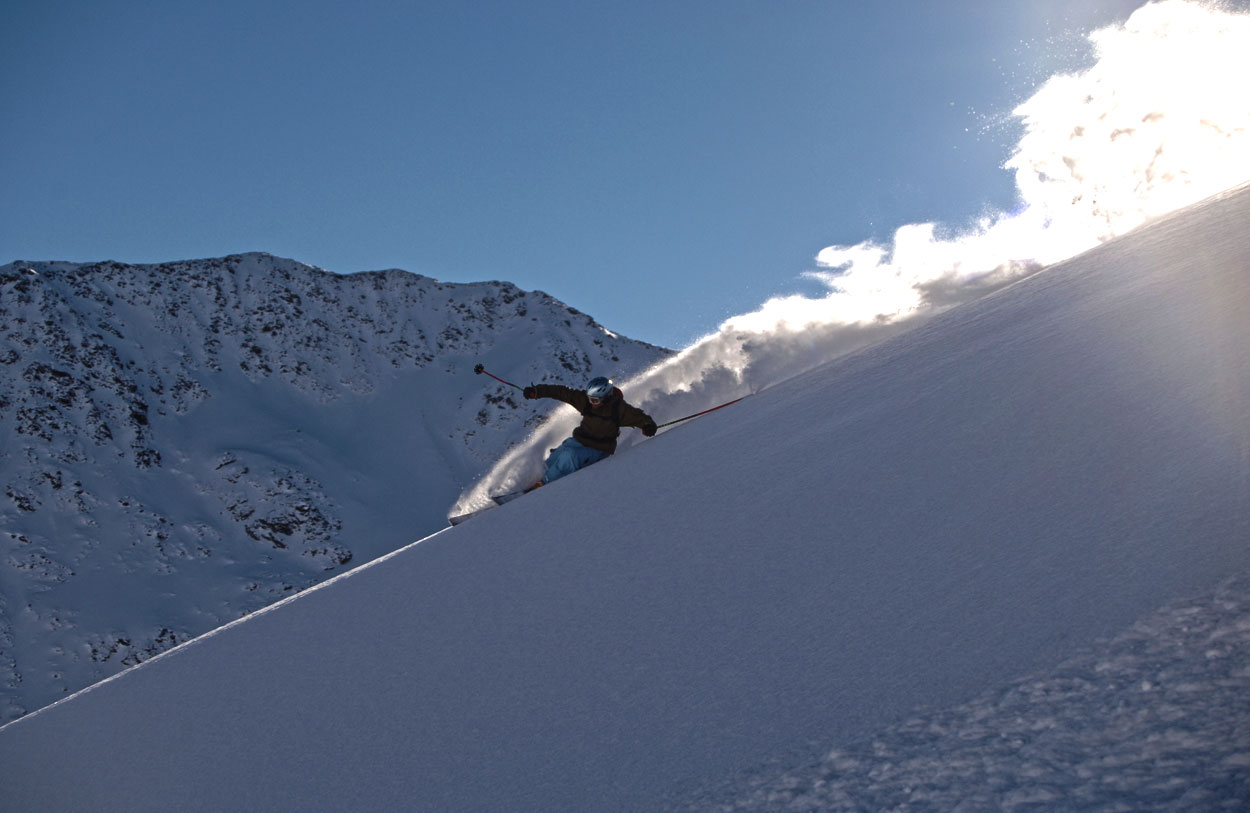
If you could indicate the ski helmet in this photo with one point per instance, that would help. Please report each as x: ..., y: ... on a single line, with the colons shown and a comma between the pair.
x: 599, y: 387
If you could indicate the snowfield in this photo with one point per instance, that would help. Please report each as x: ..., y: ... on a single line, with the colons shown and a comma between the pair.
x: 998, y: 562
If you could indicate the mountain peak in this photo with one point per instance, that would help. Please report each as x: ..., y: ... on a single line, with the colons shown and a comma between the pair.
x: 230, y: 430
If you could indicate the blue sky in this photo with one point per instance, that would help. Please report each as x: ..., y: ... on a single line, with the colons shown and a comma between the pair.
x: 662, y: 166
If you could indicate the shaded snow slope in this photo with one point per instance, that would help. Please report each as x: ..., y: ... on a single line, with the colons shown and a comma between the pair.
x: 896, y: 533
x: 1156, y: 719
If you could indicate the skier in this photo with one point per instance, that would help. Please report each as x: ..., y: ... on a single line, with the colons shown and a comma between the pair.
x: 604, y: 411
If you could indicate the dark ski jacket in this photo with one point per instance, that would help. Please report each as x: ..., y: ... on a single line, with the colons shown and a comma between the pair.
x: 601, y: 425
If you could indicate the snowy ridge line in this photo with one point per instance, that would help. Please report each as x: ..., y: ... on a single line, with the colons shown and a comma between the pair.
x: 737, y: 363
x: 183, y: 647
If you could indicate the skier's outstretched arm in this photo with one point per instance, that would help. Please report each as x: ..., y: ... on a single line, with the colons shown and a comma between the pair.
x: 575, y: 398
x: 633, y: 416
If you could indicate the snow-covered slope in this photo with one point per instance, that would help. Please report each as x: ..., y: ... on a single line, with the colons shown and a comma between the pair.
x: 921, y: 531
x: 1157, y: 718
x: 184, y: 443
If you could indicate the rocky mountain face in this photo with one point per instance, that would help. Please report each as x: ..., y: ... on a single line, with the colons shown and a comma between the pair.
x: 182, y: 444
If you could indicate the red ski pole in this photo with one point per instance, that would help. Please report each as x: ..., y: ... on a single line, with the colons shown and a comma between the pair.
x: 479, y: 369
x: 704, y: 412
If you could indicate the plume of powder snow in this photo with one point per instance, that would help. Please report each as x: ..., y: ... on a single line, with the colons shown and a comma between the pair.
x: 1159, y: 121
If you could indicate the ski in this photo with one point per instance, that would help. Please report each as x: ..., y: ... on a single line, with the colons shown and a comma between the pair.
x: 459, y: 518
x: 501, y: 499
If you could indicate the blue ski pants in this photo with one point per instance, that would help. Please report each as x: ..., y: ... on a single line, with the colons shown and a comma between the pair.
x: 568, y: 457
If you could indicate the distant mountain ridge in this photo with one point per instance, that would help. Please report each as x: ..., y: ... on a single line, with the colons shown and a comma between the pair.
x: 184, y: 443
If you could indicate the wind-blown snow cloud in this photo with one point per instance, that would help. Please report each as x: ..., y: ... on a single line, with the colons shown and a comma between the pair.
x: 1160, y: 120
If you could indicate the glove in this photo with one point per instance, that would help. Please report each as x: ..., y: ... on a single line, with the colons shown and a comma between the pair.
x: 649, y: 430
x: 530, y: 393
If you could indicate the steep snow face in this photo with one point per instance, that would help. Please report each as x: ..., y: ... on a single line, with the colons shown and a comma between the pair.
x: 914, y: 528
x: 181, y: 444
